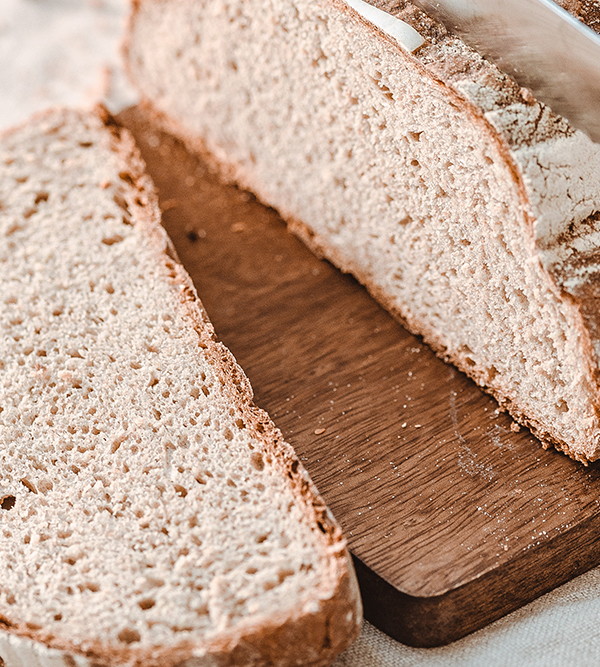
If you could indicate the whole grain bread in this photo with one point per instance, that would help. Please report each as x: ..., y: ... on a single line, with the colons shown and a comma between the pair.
x: 150, y: 514
x: 468, y: 208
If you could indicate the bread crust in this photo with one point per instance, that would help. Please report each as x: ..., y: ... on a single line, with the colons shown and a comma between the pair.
x: 447, y: 63
x: 315, y: 629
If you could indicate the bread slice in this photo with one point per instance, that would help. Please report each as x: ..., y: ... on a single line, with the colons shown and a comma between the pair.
x: 150, y: 514
x: 469, y: 209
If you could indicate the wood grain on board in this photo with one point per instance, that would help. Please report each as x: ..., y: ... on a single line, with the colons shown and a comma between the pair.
x: 453, y: 517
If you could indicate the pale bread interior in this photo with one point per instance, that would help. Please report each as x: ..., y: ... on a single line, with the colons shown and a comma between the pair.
x: 140, y: 503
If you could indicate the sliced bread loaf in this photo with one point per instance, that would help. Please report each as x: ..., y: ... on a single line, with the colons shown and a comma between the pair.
x: 150, y: 514
x: 466, y: 207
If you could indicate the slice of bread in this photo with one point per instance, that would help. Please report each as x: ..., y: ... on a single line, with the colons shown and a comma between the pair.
x: 470, y: 210
x: 150, y: 514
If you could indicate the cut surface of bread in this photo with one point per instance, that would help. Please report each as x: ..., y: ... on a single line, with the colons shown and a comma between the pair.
x: 466, y: 207
x: 150, y: 514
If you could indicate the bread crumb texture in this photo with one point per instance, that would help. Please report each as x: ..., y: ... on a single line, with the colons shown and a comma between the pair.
x: 140, y: 506
x: 444, y: 187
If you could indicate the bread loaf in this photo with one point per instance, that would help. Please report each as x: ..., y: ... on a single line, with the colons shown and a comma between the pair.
x: 150, y: 514
x: 469, y: 209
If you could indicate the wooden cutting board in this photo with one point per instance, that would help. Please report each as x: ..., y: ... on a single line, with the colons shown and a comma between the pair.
x: 454, y: 517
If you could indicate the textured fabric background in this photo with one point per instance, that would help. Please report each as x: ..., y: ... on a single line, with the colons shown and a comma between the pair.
x: 561, y: 629
x: 67, y: 52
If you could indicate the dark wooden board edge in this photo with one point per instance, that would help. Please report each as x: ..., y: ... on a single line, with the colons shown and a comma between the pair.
x: 427, y: 622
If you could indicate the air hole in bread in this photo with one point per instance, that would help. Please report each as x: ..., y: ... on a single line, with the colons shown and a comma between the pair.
x: 181, y: 491
x: 8, y: 502
x: 45, y: 485
x: 146, y: 603
x: 111, y: 240
x: 205, y: 390
x: 13, y: 229
x: 466, y: 350
x: 129, y: 636
x: 110, y: 289
x: 29, y: 212
x: 41, y: 197
x: 121, y: 202
x: 89, y: 586
x: 284, y: 573
x: 28, y: 485
x: 492, y: 372
x: 127, y: 177
x: 117, y: 442
x: 86, y: 144
x: 154, y: 582
x: 257, y: 461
